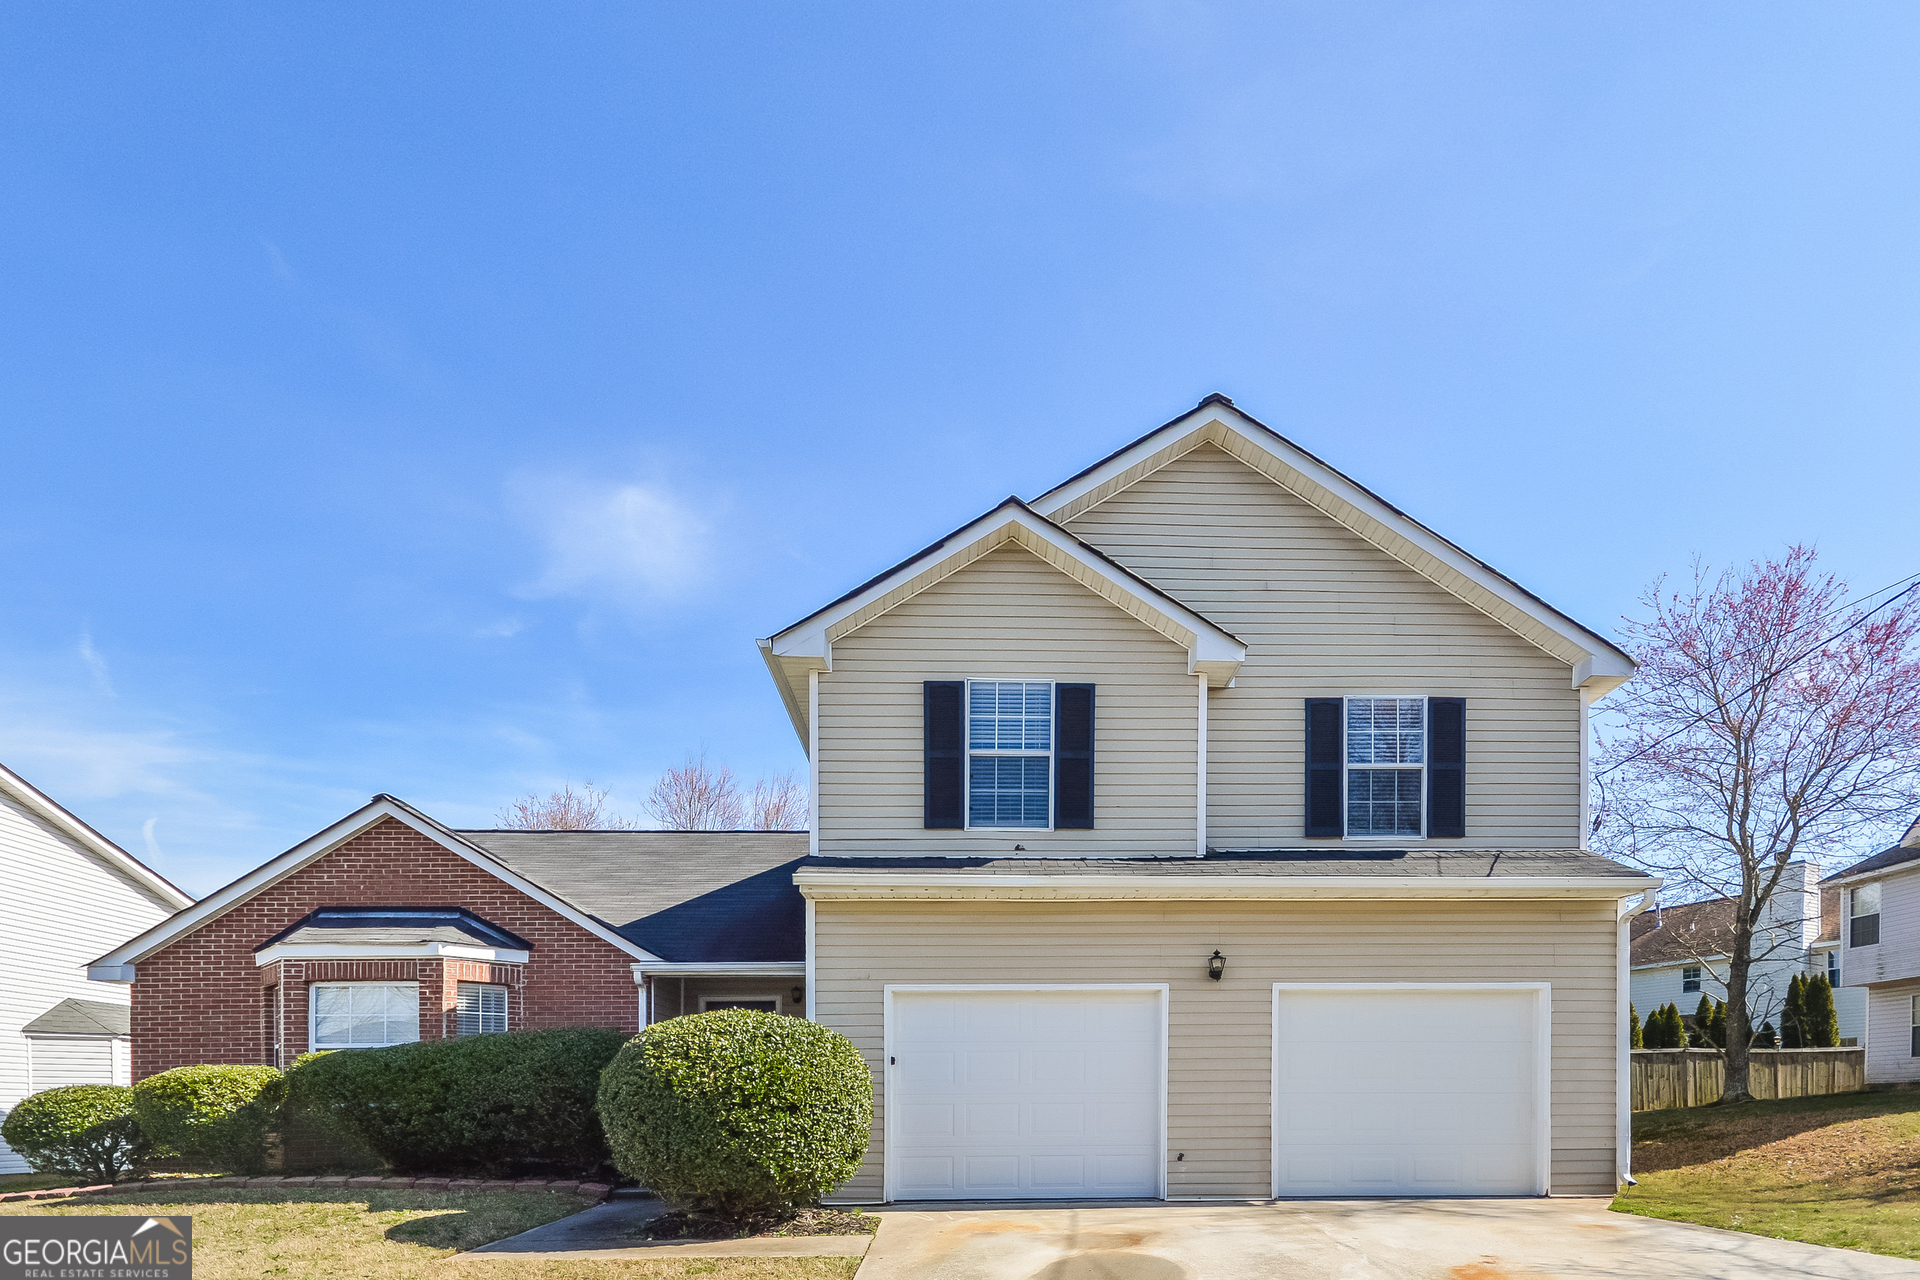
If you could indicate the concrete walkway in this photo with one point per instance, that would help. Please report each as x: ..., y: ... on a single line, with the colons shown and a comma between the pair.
x: 600, y: 1233
x: 1571, y: 1239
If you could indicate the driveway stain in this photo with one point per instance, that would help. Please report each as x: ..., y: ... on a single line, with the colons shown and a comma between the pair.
x: 1112, y: 1264
x: 1485, y: 1269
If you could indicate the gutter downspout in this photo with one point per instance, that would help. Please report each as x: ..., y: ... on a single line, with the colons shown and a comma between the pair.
x: 1623, y: 1055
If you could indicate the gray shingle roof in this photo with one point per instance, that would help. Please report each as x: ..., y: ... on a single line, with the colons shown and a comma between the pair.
x: 82, y: 1018
x: 686, y: 896
x: 1900, y: 853
x: 1479, y: 864
x: 396, y: 926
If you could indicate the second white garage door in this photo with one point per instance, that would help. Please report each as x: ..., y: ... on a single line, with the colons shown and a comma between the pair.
x: 1409, y: 1091
x: 1035, y: 1095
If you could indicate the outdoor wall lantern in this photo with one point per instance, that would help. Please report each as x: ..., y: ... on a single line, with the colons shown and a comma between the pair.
x: 799, y: 995
x: 1216, y: 965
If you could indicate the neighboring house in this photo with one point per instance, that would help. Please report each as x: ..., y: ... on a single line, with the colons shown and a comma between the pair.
x: 1205, y: 827
x: 1680, y: 953
x: 1880, y: 953
x: 66, y: 891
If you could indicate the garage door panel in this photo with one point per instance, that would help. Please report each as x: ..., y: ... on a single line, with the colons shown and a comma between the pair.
x: 1058, y: 1094
x: 1432, y: 1092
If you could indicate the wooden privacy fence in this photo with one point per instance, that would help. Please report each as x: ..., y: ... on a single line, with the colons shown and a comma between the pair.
x: 1667, y: 1078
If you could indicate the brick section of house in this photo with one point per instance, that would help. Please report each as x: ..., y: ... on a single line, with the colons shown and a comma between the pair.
x: 203, y: 999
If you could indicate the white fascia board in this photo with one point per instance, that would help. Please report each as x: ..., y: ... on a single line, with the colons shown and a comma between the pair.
x: 719, y: 968
x: 1603, y: 670
x: 50, y: 812
x: 109, y: 973
x: 828, y: 886
x: 1677, y: 964
x: 269, y: 873
x: 1210, y: 649
x: 353, y: 951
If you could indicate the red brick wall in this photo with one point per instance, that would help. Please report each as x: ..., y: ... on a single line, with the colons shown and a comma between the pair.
x: 203, y: 999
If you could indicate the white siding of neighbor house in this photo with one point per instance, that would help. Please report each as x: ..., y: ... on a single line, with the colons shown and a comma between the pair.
x: 1324, y: 613
x: 1652, y: 987
x: 59, y: 908
x: 1890, y: 1057
x: 55, y: 1061
x: 1220, y: 1033
x: 1896, y: 957
x: 1008, y: 616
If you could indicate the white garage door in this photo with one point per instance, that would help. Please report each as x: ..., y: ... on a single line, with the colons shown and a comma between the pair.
x: 1408, y: 1092
x: 996, y: 1095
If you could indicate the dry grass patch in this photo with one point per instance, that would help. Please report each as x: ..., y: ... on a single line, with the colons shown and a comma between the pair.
x: 1841, y: 1171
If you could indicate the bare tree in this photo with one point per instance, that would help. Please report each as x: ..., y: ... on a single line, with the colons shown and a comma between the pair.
x: 1767, y: 718
x: 695, y: 796
x: 778, y: 803
x: 562, y: 810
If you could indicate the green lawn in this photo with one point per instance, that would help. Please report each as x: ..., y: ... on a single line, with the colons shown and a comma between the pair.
x: 318, y: 1233
x: 1842, y: 1171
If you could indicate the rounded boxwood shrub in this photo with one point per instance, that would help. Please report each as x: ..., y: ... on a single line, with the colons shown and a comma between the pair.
x: 212, y: 1115
x: 511, y: 1102
x: 737, y: 1112
x: 86, y: 1132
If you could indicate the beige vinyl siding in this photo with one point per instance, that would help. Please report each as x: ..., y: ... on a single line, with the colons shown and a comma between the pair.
x: 1896, y: 957
x: 1220, y: 1034
x: 1890, y: 1057
x: 1324, y: 613
x: 59, y: 908
x: 1008, y: 616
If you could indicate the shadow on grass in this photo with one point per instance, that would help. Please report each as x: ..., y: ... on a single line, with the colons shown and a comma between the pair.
x: 1696, y: 1135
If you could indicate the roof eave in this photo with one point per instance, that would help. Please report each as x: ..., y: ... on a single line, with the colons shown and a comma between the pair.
x: 825, y: 886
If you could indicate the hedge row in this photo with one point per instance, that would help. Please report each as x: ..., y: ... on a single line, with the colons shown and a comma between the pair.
x: 732, y: 1112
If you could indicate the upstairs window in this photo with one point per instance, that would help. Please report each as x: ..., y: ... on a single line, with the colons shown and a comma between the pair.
x: 480, y: 1009
x: 1690, y: 978
x: 1386, y: 766
x: 1863, y: 905
x: 1009, y: 753
x: 1915, y: 1053
x: 363, y: 1015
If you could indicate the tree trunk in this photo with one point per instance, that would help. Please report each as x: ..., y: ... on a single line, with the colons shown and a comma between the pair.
x: 1739, y: 1033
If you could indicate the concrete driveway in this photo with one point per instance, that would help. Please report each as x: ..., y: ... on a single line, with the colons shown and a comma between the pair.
x: 1347, y: 1239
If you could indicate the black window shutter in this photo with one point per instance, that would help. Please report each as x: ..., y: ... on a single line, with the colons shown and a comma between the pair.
x: 1446, y: 768
x: 1073, y: 757
x: 944, y: 724
x: 1326, y: 749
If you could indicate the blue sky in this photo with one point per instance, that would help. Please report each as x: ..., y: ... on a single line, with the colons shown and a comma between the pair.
x: 441, y: 399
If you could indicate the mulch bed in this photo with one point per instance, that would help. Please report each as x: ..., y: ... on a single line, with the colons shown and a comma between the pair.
x: 801, y: 1222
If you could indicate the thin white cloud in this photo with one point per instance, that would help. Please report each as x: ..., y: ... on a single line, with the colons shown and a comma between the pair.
x: 622, y: 543
x: 96, y: 665
x: 146, y: 834
x: 504, y: 629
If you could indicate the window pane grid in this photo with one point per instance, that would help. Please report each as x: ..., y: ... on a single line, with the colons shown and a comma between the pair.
x: 481, y: 1009
x: 364, y: 1015
x: 1010, y: 753
x: 1389, y: 737
x: 1386, y: 730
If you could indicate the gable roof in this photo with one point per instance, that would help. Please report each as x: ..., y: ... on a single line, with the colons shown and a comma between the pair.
x: 398, y: 931
x: 1676, y: 935
x: 807, y: 645
x: 1908, y: 850
x: 1599, y: 665
x: 41, y: 806
x: 82, y: 1018
x: 685, y: 896
x: 118, y: 965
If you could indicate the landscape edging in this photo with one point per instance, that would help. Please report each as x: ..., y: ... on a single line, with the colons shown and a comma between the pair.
x: 592, y: 1192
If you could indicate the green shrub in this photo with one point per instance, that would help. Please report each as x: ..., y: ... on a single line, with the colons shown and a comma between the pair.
x: 1636, y: 1039
x: 738, y: 1111
x: 1720, y: 1023
x: 1701, y: 1036
x: 1822, y: 1020
x: 213, y: 1115
x: 86, y: 1132
x: 513, y: 1102
x: 1767, y: 1039
x: 1793, y: 1015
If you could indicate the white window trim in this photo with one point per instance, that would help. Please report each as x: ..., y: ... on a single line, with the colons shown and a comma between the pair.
x: 1426, y: 751
x: 506, y: 1000
x: 967, y: 752
x: 313, y: 1014
x: 779, y: 1005
x: 889, y: 1145
x: 1851, y: 894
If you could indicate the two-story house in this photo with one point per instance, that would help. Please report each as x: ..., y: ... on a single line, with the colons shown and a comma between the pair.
x: 65, y: 892
x: 1680, y: 953
x: 1880, y: 953
x: 1205, y: 827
